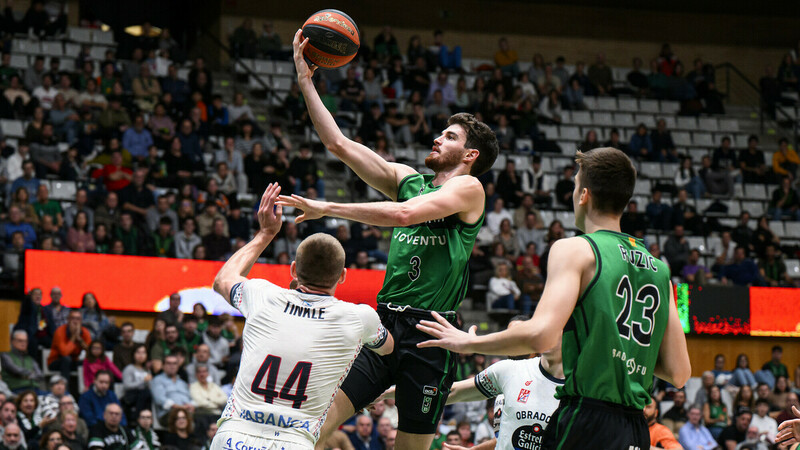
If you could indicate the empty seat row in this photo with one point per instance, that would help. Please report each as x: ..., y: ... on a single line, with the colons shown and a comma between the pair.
x: 649, y: 119
x: 90, y: 36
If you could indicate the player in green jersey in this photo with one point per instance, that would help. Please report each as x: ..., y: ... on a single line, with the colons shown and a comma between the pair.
x: 436, y: 219
x: 614, y: 303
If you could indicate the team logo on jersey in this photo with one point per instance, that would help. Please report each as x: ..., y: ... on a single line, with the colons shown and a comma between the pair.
x: 523, y: 396
x: 429, y: 390
x: 426, y: 404
x: 632, y: 241
x: 527, y: 437
x: 528, y: 383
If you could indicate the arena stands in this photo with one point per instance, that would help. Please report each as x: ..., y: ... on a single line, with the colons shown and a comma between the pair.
x: 136, y: 153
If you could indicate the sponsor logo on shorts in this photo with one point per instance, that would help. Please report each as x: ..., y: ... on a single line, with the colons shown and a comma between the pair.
x: 426, y: 404
x: 429, y: 390
x: 523, y: 396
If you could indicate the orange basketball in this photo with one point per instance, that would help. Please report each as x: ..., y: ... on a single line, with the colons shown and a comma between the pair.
x: 333, y: 39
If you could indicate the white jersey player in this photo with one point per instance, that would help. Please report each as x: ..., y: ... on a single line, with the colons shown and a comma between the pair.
x: 526, y: 390
x: 297, y: 344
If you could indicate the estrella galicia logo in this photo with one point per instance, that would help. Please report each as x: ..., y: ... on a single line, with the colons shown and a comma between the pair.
x: 426, y: 404
x: 429, y: 390
x: 527, y: 437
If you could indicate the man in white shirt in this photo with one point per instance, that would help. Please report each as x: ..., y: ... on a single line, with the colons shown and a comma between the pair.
x: 767, y: 426
x: 496, y: 216
x: 297, y: 344
x: 46, y: 93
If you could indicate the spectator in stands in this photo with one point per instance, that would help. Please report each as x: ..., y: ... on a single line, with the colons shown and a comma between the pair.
x: 68, y: 342
x: 613, y: 141
x: 137, y: 197
x: 175, y: 86
x: 766, y: 426
x: 637, y: 78
x: 46, y: 207
x: 736, y: 433
x: 17, y: 225
x: 506, y: 59
x: 122, y: 353
x: 565, y: 186
x: 590, y: 142
x: 773, y: 270
x: 774, y: 365
x: 588, y: 88
x: 694, y: 434
x: 694, y: 272
x: 163, y: 348
x: 785, y: 161
x: 685, y: 214
x: 743, y: 271
x: 28, y: 179
x: 137, y: 139
x: 45, y: 153
x: 80, y: 205
x: 17, y: 96
x: 660, y: 435
x: 161, y: 209
x: 115, y: 176
x: 244, y: 41
x: 96, y: 400
x: 217, y: 243
x: 659, y: 214
x: 715, y: 413
x: 600, y: 75
x: 205, y: 391
x: 79, y: 238
x: 46, y: 93
x: 219, y: 347
x: 550, y: 108
x: 20, y: 371
x: 92, y: 98
x: 763, y: 236
x: 686, y: 178
x: 641, y: 145
x: 94, y: 319
x: 96, y: 360
x: 752, y: 162
x: 146, y: 89
x: 55, y: 310
x: 677, y: 416
x: 109, y: 430
x: 634, y: 222
x: 743, y: 234
x: 27, y: 402
x: 780, y: 394
x: 169, y: 391
x: 503, y: 292
x: 508, y: 238
x: 114, y: 120
x: 770, y: 90
x: 180, y: 430
x: 742, y: 375
x: 677, y: 250
x: 202, y: 356
x: 108, y: 214
x: 785, y: 201
x: 13, y: 438
x: 187, y: 240
x: 135, y: 379
x: 365, y: 435
x: 144, y: 433
x: 495, y: 217
x: 663, y: 146
x: 191, y: 144
x: 573, y: 96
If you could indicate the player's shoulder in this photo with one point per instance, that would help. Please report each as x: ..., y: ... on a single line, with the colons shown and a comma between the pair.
x: 575, y: 249
x: 259, y: 285
x: 464, y: 182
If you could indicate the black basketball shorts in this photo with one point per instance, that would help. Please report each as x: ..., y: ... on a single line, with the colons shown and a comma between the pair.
x: 586, y: 423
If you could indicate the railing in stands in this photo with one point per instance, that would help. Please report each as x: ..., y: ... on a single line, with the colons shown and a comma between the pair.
x: 238, y: 62
x: 747, y: 88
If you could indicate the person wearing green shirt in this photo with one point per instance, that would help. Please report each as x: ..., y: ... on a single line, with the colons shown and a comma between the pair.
x: 436, y: 218
x: 46, y: 207
x: 774, y: 365
x: 613, y: 301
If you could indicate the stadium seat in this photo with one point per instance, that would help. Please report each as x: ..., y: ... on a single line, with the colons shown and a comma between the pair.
x: 51, y: 48
x: 650, y: 169
x: 729, y: 125
x: 103, y: 37
x: 581, y: 118
x: 549, y: 180
x: 777, y: 227
x: 602, y: 118
x: 19, y: 61
x: 642, y: 187
x: 734, y: 207
x: 499, y: 163
x: 708, y: 123
x: 755, y: 209
x: 647, y: 119
x: 648, y: 106
x: 284, y: 68
x: 624, y: 120
x: 670, y: 121
x: 282, y: 84
x: 697, y: 242
x: 697, y: 154
x: 793, y: 267
x: 687, y: 123
x: 569, y: 133
x: 792, y: 229
x: 607, y: 103
x: 738, y: 190
x: 63, y: 190
x: 702, y: 139
x: 523, y: 145
x: 549, y: 131
x: 98, y: 53
x: 670, y: 107
x: 25, y: 46
x: 668, y: 170
x: 261, y: 66
x: 627, y: 104
x: 13, y: 128
x: 547, y: 163
x: 682, y: 138
x: 242, y: 63
x: 547, y: 216
x: 81, y: 35
x: 407, y: 154
x: 756, y: 192
x: 590, y: 102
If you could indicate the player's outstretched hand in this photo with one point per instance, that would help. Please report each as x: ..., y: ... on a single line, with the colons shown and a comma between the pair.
x: 312, y: 209
x: 299, y: 44
x: 447, y: 336
x: 789, y: 430
x: 270, y: 213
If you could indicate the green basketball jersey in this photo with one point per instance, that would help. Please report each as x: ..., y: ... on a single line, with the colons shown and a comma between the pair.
x: 611, y: 341
x: 427, y: 265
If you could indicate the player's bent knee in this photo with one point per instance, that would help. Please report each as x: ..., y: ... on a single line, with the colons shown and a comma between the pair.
x: 412, y: 441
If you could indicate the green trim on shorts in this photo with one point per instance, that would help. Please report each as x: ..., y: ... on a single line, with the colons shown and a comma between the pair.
x: 441, y: 383
x: 571, y: 420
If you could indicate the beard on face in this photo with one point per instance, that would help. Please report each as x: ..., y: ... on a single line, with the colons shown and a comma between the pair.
x: 443, y: 162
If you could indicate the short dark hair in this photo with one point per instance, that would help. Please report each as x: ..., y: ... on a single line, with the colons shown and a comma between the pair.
x: 479, y: 137
x: 319, y: 261
x: 127, y: 324
x: 103, y: 372
x: 777, y: 348
x: 762, y: 400
x: 598, y: 168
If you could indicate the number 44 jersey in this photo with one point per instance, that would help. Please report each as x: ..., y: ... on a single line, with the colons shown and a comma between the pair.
x: 297, y: 349
x: 611, y: 341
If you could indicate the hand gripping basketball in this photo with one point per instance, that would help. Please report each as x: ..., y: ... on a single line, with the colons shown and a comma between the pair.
x: 299, y: 45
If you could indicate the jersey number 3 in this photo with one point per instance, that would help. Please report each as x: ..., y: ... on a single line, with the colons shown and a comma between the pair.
x: 414, y: 272
x: 269, y: 369
x: 642, y: 328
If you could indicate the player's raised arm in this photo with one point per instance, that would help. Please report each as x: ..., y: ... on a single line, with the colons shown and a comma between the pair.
x: 238, y: 266
x: 673, y: 364
x: 462, y: 195
x: 568, y: 258
x: 367, y: 164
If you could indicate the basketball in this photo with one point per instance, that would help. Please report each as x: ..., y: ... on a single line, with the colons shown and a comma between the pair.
x: 333, y: 39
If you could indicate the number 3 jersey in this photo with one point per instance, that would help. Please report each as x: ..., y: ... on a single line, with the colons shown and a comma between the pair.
x: 528, y: 401
x: 611, y: 341
x: 297, y: 349
x: 427, y: 265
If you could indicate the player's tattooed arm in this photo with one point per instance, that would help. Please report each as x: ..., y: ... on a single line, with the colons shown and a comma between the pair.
x: 238, y: 266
